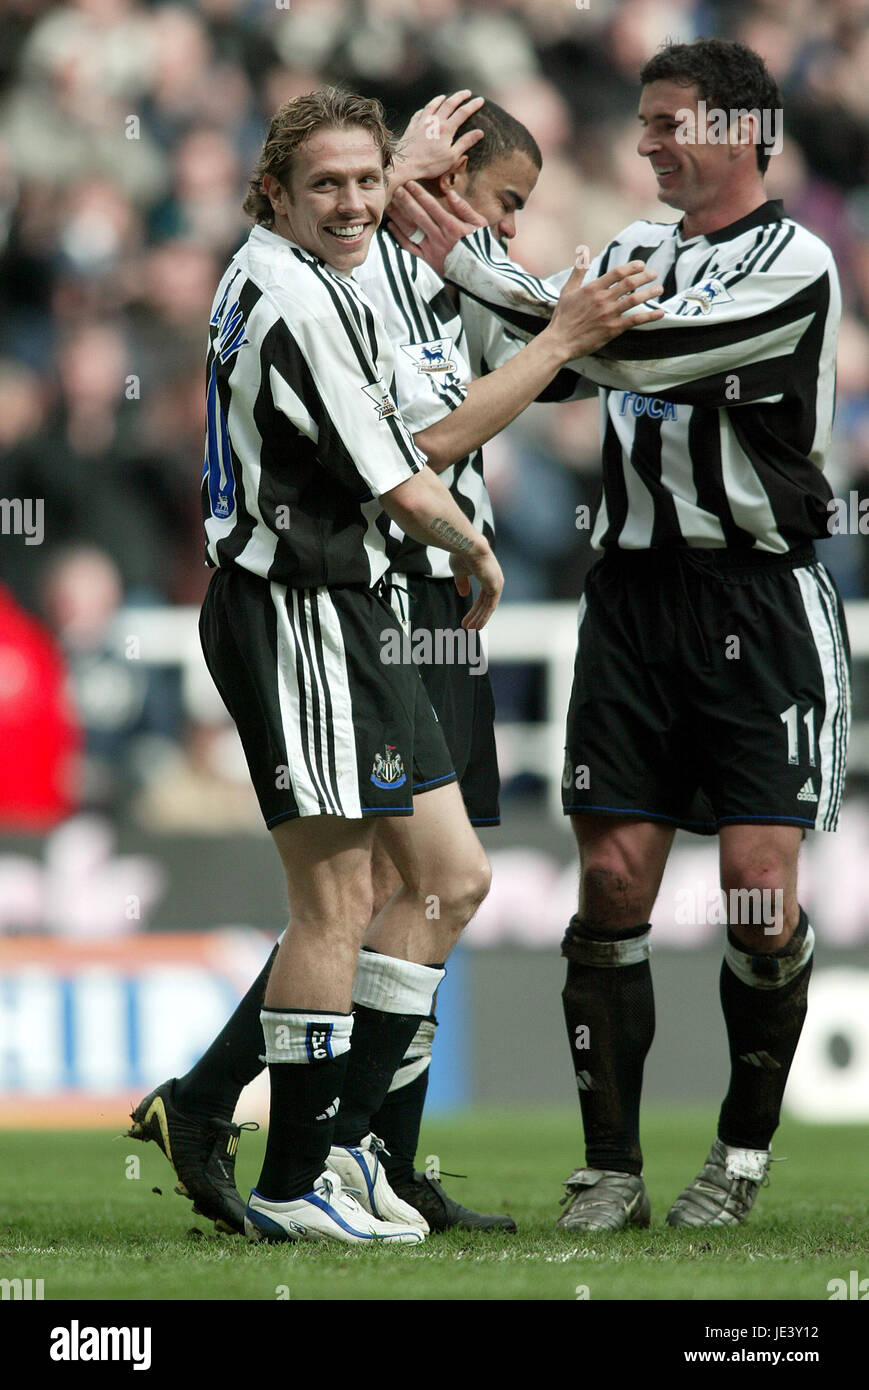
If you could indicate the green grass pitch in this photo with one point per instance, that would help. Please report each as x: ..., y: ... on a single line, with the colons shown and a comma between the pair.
x: 70, y: 1216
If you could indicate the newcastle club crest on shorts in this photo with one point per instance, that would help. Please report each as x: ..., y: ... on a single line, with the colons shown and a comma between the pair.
x: 388, y: 771
x: 431, y: 357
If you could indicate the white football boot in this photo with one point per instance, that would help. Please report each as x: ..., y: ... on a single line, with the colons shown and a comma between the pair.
x: 359, y: 1168
x: 326, y: 1213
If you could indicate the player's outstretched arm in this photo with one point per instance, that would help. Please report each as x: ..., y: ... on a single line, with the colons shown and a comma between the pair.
x: 426, y: 512
x: 677, y: 358
x: 586, y: 317
x: 430, y: 145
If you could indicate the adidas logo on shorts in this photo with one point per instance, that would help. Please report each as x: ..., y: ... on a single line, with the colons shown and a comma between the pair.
x: 807, y: 791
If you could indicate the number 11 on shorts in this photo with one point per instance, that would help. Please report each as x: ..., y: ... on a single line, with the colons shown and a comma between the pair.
x: 790, y: 718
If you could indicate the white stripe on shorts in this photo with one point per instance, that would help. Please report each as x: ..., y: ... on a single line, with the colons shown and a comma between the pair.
x: 819, y: 601
x: 338, y: 711
x: 843, y: 714
x: 314, y: 697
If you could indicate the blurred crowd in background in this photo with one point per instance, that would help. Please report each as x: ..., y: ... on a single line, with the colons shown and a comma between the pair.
x: 127, y: 133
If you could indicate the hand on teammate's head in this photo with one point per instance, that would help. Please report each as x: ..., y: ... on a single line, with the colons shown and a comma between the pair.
x: 413, y: 210
x: 430, y: 144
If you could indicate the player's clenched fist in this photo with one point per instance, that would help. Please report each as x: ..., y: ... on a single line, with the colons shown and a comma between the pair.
x: 589, y: 315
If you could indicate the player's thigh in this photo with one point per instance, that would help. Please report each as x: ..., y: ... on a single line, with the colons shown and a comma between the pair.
x: 327, y: 865
x: 457, y: 683
x: 437, y: 850
x: 622, y: 862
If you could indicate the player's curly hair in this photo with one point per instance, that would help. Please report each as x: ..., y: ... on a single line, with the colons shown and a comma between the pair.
x: 729, y: 76
x: 293, y: 123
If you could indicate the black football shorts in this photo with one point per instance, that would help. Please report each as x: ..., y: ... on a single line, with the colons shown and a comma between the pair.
x: 327, y: 725
x: 710, y: 688
x: 457, y: 679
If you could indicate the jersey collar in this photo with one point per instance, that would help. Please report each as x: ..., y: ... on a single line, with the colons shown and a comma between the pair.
x: 266, y: 237
x: 280, y: 244
x: 770, y: 211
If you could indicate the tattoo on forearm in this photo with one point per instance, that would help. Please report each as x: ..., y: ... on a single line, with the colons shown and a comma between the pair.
x: 449, y: 533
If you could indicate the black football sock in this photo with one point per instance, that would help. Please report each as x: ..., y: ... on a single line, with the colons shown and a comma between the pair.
x: 307, y: 1055
x: 380, y: 1040
x: 391, y: 997
x: 763, y: 997
x: 213, y: 1085
x: 609, y: 1010
x: 399, y: 1118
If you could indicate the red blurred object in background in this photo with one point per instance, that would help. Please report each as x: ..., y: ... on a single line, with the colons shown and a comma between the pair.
x: 40, y: 738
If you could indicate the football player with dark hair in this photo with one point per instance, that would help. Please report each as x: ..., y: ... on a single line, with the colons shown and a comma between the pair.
x: 716, y: 426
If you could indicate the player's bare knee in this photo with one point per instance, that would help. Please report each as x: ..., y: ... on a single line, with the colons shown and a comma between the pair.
x: 478, y: 881
x: 385, y: 881
x: 464, y: 890
x: 761, y: 902
x: 343, y: 913
x: 760, y: 870
x: 611, y: 897
x: 333, y: 929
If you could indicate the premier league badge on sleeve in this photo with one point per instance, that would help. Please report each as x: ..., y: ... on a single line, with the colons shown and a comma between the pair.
x: 431, y: 357
x: 388, y: 771
x: 383, y: 402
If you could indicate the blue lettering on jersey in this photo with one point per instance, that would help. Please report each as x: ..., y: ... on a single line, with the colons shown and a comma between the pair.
x: 647, y: 405
x: 230, y: 338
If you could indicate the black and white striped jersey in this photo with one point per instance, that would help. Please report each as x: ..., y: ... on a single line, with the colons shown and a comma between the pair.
x: 302, y: 433
x: 716, y: 419
x: 432, y: 372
